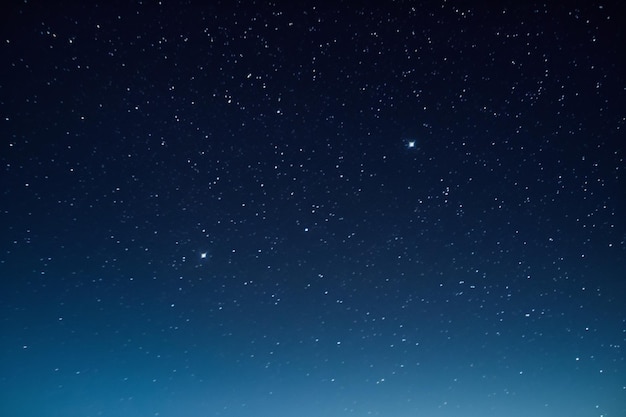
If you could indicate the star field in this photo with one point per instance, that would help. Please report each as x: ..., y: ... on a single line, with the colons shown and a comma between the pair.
x: 312, y: 209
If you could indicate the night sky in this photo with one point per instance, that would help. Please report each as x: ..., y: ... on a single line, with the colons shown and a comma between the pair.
x: 312, y: 209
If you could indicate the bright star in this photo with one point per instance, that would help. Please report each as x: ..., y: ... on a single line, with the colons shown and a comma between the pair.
x: 410, y: 144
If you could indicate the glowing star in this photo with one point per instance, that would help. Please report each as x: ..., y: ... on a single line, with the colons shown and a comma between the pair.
x: 411, y: 144
x: 203, y: 255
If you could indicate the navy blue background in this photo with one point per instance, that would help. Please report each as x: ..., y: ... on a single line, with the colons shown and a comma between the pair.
x: 215, y: 210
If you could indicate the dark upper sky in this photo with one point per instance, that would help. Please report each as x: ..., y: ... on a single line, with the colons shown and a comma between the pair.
x: 312, y: 209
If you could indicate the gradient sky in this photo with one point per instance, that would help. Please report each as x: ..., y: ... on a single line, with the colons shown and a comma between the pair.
x: 308, y: 209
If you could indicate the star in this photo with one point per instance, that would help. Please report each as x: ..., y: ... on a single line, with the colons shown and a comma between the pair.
x: 410, y: 144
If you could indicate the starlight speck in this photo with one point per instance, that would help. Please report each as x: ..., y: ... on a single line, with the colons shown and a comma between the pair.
x: 411, y: 144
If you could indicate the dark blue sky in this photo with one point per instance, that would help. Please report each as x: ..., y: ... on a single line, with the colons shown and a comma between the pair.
x: 312, y: 209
